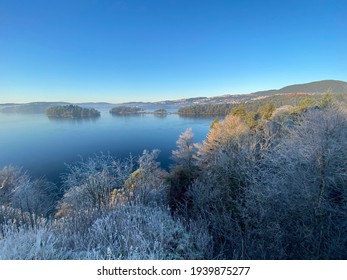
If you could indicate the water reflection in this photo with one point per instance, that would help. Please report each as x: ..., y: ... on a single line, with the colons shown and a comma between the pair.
x: 160, y: 116
x: 193, y: 117
x: 74, y: 120
x: 42, y: 145
x: 127, y: 115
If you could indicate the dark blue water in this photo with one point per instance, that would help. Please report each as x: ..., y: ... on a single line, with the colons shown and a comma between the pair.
x: 43, y: 146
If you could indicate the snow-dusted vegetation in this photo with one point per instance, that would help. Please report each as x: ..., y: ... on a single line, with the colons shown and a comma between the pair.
x: 264, y: 185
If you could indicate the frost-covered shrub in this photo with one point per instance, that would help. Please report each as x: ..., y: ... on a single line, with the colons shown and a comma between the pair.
x: 27, y: 243
x: 143, y: 232
x: 149, y: 185
x: 89, y: 183
x: 146, y: 185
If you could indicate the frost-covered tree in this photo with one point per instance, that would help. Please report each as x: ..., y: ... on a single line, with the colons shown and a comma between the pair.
x: 10, y: 177
x: 183, y: 156
x: 184, y: 170
x: 297, y: 200
x: 221, y: 134
x: 23, y: 198
x: 37, y: 197
x: 226, y: 152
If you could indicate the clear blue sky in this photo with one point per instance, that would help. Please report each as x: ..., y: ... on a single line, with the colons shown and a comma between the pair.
x: 132, y: 50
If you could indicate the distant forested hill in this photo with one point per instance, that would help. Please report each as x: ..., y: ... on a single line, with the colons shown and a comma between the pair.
x: 333, y: 86
x: 30, y: 108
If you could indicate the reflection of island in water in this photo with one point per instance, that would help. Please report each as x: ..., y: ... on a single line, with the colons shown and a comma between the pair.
x: 126, y: 110
x: 160, y: 113
x: 74, y: 120
x: 136, y: 110
x: 72, y: 112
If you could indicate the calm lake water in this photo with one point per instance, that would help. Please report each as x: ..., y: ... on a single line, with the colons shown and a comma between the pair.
x: 43, y: 146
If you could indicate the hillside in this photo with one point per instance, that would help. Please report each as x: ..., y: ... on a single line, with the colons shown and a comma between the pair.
x: 335, y: 87
x: 289, y: 95
x: 317, y: 87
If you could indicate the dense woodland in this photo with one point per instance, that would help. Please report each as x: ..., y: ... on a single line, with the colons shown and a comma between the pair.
x: 71, y: 112
x: 269, y: 182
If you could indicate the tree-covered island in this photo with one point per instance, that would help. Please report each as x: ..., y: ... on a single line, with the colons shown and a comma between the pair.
x: 126, y: 110
x: 72, y: 112
x: 160, y: 112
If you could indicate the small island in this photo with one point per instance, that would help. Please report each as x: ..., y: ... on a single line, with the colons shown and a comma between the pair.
x: 72, y: 112
x: 126, y: 110
x: 160, y: 112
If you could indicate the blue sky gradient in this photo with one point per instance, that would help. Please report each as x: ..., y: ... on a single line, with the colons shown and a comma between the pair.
x: 136, y: 50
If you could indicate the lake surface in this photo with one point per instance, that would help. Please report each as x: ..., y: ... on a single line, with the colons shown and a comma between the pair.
x: 43, y: 146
